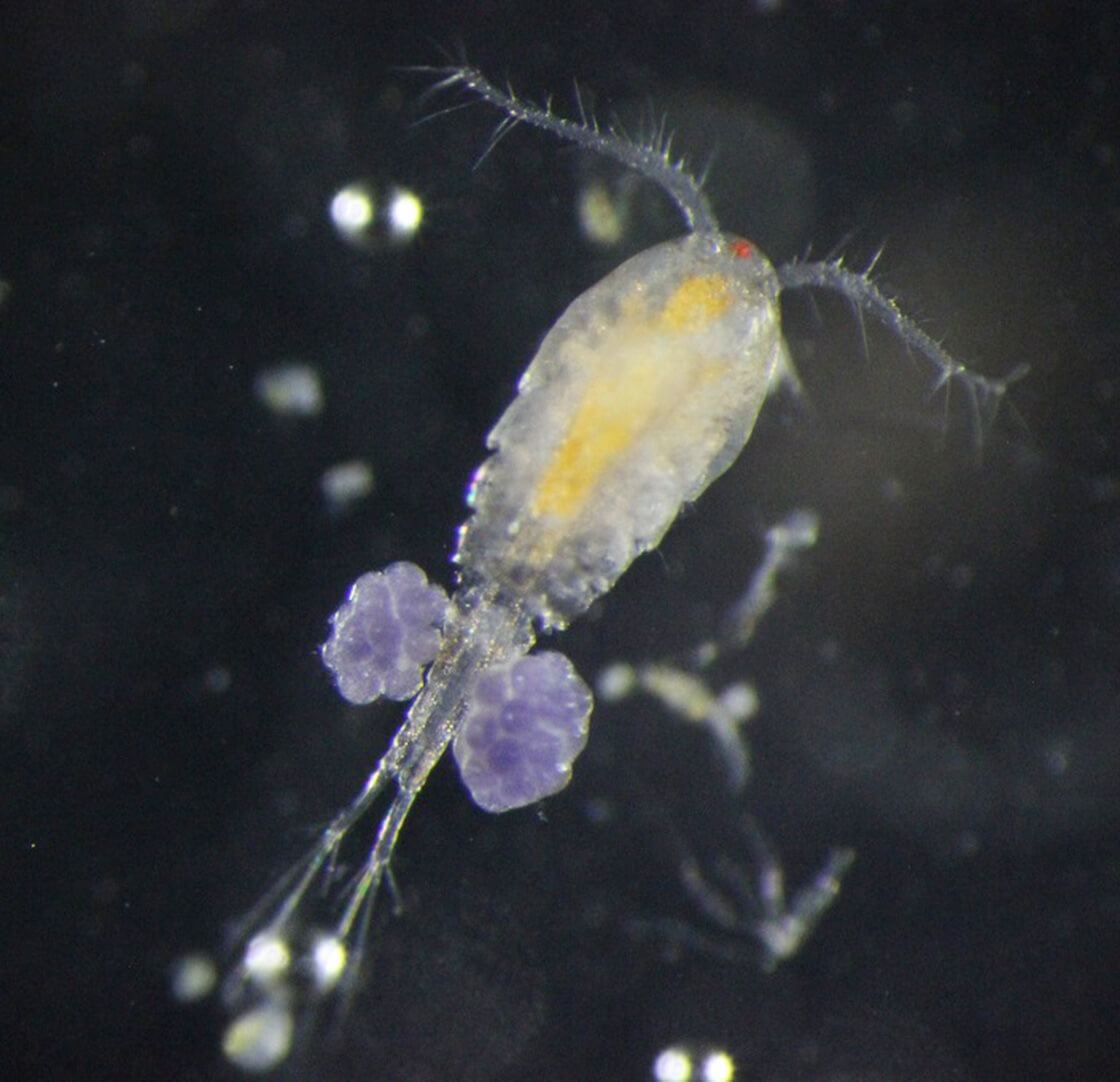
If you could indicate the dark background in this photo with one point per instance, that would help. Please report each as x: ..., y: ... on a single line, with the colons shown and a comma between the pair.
x: 939, y: 680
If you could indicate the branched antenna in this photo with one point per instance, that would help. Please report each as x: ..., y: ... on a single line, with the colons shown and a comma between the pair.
x: 650, y: 158
x: 985, y: 394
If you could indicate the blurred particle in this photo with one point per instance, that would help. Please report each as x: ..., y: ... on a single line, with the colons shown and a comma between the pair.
x: 672, y: 1065
x: 368, y: 217
x: 352, y: 210
x: 267, y: 958
x: 617, y: 681
x: 893, y: 491
x: 293, y: 389
x: 260, y: 1039
x: 328, y: 962
x: 405, y: 214
x: 217, y: 680
x: 718, y: 1066
x: 193, y: 977
x: 598, y: 810
x: 345, y: 484
x: 602, y: 214
x: 1057, y: 758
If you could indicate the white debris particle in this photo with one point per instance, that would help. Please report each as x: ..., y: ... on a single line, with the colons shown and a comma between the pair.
x: 193, y: 977
x: 260, y: 1039
x: 346, y: 483
x: 292, y: 389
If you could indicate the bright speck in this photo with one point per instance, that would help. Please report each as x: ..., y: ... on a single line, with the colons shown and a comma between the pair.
x: 717, y: 1067
x: 328, y: 962
x: 352, y: 209
x: 266, y: 958
x: 405, y: 214
x: 672, y: 1065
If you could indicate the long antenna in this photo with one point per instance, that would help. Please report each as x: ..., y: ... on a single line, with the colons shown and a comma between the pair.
x: 651, y: 159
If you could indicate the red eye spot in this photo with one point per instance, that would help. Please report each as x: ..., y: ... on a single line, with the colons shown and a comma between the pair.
x: 742, y: 249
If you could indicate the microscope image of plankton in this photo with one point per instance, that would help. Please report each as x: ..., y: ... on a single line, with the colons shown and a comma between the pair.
x: 643, y: 392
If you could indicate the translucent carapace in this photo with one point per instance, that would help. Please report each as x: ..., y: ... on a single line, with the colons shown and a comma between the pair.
x: 642, y: 393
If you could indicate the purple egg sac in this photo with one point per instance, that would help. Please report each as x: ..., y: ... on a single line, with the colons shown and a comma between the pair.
x: 385, y: 634
x: 526, y: 724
